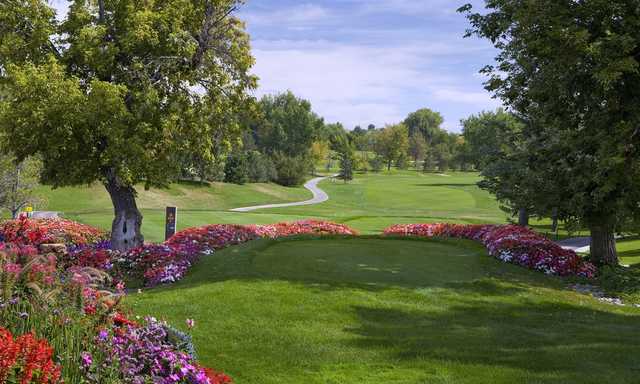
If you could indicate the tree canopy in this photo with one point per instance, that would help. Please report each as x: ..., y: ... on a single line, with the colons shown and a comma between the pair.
x: 119, y: 88
x: 571, y: 68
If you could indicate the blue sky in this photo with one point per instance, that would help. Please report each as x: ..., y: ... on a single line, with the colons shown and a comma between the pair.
x: 370, y: 61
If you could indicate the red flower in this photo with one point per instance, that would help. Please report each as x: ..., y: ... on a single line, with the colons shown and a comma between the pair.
x: 217, y: 377
x: 28, y: 358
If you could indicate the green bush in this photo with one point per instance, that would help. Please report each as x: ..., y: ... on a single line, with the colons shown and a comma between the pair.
x: 236, y: 169
x: 291, y: 170
x: 261, y: 168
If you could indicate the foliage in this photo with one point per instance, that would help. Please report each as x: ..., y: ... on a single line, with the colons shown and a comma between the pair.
x: 109, y: 94
x: 291, y: 171
x: 17, y: 184
x: 425, y: 122
x: 287, y: 125
x: 511, y: 244
x: 376, y: 163
x: 319, y: 153
x: 490, y: 135
x: 261, y: 168
x: 236, y: 169
x: 417, y: 148
x: 619, y: 281
x: 391, y: 143
x: 568, y: 68
x: 346, y: 158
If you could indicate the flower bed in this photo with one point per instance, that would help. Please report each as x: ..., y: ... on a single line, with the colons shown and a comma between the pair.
x: 26, y: 359
x: 48, y: 231
x: 168, y: 263
x: 508, y: 243
x: 68, y: 298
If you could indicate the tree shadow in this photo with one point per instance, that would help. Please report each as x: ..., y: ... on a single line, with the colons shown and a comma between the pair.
x: 548, y: 338
x: 453, y: 185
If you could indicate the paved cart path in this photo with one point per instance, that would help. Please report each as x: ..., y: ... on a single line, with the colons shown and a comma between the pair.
x: 577, y: 244
x: 319, y: 196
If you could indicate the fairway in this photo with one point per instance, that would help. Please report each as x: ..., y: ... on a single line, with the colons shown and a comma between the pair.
x: 369, y: 203
x: 374, y: 310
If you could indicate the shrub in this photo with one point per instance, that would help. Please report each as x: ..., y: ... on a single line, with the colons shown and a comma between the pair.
x: 236, y: 169
x: 261, y: 168
x: 291, y: 170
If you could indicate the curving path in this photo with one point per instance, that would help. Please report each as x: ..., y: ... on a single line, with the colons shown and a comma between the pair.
x: 319, y: 196
x: 577, y: 244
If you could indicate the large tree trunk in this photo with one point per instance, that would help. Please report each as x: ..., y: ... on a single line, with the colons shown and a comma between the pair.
x: 523, y: 217
x: 125, y: 229
x: 603, y: 244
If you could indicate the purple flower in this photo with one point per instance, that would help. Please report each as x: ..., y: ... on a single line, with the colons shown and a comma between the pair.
x: 86, y: 359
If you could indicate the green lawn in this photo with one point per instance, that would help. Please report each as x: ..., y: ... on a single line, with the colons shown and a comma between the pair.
x: 369, y: 203
x: 198, y: 204
x: 371, y: 310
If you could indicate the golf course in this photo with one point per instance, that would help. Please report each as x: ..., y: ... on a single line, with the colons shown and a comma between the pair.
x: 319, y: 192
x: 369, y: 204
x: 373, y: 309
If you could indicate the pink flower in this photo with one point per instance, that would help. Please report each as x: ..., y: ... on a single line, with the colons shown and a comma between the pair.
x: 190, y: 323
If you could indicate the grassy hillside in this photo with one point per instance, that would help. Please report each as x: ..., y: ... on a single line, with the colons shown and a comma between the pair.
x: 198, y: 204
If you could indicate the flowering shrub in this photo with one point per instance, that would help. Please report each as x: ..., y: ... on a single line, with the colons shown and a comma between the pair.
x: 304, y: 227
x: 42, y: 231
x: 143, y: 352
x: 509, y: 243
x: 26, y: 359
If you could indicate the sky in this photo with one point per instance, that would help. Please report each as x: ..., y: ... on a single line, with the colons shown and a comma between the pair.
x: 362, y: 62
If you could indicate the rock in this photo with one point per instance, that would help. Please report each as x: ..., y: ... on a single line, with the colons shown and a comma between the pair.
x: 59, y: 249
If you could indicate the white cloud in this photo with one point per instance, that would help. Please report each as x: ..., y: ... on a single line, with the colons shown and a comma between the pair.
x: 299, y: 16
x: 465, y: 96
x: 361, y: 84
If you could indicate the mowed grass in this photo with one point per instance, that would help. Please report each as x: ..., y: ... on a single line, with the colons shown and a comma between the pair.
x: 197, y: 204
x: 370, y: 203
x: 374, y: 310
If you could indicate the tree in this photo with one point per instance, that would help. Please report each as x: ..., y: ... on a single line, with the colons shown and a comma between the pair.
x: 288, y: 125
x: 391, y: 143
x: 571, y: 67
x: 118, y: 89
x: 346, y: 159
x: 417, y: 148
x: 442, y: 156
x: 487, y: 134
x: 319, y: 153
x: 426, y: 122
x: 17, y: 183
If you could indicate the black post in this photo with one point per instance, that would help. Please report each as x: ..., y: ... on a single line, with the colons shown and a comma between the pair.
x: 170, y: 222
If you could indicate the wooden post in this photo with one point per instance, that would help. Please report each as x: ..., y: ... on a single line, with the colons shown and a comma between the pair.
x: 170, y: 222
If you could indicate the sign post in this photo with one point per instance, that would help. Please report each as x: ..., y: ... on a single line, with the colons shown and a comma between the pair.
x: 170, y: 222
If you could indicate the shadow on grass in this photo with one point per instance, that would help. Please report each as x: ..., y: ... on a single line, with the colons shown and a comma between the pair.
x: 446, y: 185
x: 557, y: 339
x: 471, y: 272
